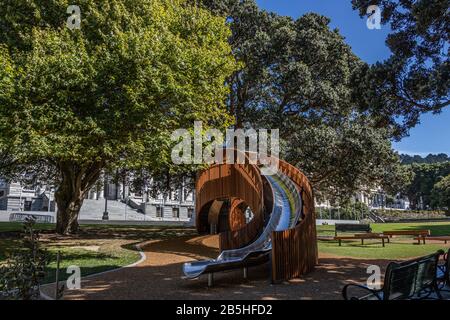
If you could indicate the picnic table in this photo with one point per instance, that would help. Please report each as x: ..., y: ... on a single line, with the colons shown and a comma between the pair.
x: 446, y: 239
x: 418, y: 234
x: 362, y: 237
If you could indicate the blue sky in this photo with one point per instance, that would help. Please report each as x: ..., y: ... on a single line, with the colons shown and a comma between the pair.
x: 432, y: 135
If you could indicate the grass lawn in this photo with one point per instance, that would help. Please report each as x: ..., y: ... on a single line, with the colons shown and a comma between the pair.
x: 97, y: 248
x: 399, y: 248
x: 18, y: 226
x: 100, y: 248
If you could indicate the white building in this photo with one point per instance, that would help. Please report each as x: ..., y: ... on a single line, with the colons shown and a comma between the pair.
x: 15, y: 197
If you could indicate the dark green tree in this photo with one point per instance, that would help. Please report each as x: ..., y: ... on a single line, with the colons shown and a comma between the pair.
x: 416, y: 78
x: 425, y: 178
x: 440, y: 195
x: 299, y: 76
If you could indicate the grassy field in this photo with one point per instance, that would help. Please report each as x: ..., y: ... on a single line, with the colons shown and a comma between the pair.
x: 17, y: 226
x: 97, y: 248
x: 100, y: 248
x: 399, y: 248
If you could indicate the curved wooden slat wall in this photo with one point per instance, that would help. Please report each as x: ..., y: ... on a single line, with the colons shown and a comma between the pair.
x: 236, y: 218
x: 294, y: 251
x: 229, y: 181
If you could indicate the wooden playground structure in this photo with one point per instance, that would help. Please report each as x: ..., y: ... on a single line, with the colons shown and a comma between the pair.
x: 224, y: 191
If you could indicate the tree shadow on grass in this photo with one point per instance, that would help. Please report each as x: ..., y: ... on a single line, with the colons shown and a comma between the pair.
x: 125, y: 233
x: 436, y: 229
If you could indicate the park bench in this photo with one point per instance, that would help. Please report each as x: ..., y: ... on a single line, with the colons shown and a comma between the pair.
x: 446, y: 239
x: 362, y: 237
x: 413, y: 279
x: 419, y: 234
x: 351, y: 228
x: 20, y: 217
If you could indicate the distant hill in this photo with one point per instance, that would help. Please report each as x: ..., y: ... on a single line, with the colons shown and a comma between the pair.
x: 431, y: 158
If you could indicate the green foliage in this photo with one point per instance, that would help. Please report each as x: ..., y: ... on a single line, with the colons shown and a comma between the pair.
x: 24, y: 270
x: 431, y: 158
x: 342, y: 159
x: 426, y: 176
x: 348, y: 211
x: 440, y: 195
x: 110, y: 94
x: 300, y: 77
x: 117, y: 87
x: 415, y: 78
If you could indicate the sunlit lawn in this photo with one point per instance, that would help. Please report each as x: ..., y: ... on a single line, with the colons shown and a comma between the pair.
x: 101, y: 247
x: 97, y: 248
x: 399, y: 248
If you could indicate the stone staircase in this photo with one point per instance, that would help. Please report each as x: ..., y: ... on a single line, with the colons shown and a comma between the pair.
x: 93, y: 210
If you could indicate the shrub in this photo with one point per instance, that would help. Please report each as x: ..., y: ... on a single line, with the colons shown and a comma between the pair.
x: 25, y: 268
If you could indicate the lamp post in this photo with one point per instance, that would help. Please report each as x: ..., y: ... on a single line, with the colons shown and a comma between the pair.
x: 105, y: 213
x: 50, y: 199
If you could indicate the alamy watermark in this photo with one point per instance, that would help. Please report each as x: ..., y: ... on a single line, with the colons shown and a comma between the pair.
x: 74, y: 21
x: 74, y: 280
x: 374, y: 280
x: 241, y: 146
x: 374, y: 19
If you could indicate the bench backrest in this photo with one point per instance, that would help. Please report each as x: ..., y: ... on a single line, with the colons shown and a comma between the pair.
x: 346, y: 227
x: 407, y: 279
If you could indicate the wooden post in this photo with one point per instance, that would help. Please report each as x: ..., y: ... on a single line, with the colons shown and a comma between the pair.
x: 58, y: 258
x: 210, y: 279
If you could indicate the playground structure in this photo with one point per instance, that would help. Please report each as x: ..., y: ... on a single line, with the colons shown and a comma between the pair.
x: 283, y: 228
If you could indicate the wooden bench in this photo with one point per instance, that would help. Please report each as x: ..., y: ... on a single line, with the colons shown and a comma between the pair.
x: 421, y: 234
x: 446, y: 239
x: 413, y: 279
x: 353, y: 228
x: 362, y: 237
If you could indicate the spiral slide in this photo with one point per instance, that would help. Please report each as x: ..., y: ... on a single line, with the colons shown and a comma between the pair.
x: 282, y: 230
x: 285, y: 214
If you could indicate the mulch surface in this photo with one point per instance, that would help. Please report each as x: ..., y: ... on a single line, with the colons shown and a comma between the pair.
x: 160, y: 276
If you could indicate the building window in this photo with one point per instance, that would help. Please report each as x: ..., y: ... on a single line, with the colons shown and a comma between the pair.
x: 2, y: 193
x: 190, y: 212
x: 176, y: 212
x: 159, y: 212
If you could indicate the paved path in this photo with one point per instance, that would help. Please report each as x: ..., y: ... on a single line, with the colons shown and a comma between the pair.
x: 160, y: 277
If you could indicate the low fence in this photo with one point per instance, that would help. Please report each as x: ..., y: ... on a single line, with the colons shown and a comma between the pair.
x: 40, y: 217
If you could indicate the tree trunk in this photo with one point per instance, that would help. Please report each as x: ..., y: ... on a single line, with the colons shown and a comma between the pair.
x: 76, y: 180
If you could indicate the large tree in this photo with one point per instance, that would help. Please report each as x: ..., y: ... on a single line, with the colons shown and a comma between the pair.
x: 109, y: 94
x: 440, y: 194
x: 299, y: 76
x: 426, y: 176
x: 416, y: 77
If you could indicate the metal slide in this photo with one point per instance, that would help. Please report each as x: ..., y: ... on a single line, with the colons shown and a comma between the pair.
x: 287, y: 210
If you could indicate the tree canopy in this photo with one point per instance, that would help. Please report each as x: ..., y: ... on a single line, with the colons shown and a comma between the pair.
x: 300, y: 77
x: 431, y: 158
x: 109, y: 94
x: 416, y: 77
x: 426, y: 176
x: 440, y: 195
